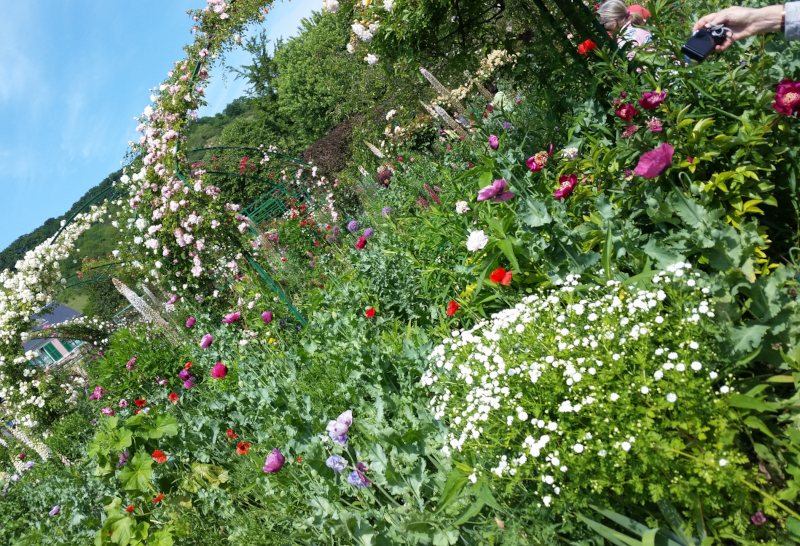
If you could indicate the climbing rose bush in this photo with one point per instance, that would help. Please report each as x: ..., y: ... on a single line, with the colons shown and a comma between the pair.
x: 589, y: 391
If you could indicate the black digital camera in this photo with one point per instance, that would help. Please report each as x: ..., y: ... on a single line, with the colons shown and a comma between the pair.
x: 703, y: 42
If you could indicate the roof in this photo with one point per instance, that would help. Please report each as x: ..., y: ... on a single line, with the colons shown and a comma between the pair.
x: 60, y: 313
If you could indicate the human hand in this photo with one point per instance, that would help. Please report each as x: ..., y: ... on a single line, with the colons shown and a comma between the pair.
x: 743, y: 22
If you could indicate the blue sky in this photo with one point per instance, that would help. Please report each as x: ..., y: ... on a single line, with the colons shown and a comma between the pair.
x: 73, y: 74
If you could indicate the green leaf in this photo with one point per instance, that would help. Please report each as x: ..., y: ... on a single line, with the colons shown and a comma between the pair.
x: 122, y: 530
x: 508, y: 249
x: 675, y: 520
x: 483, y: 493
x: 160, y: 538
x: 456, y: 481
x: 136, y: 474
x: 140, y: 533
x: 748, y: 402
x: 747, y: 337
x: 533, y: 213
x: 162, y: 424
x: 614, y: 537
x: 469, y: 512
x: 608, y: 248
x: 122, y: 439
x: 627, y: 523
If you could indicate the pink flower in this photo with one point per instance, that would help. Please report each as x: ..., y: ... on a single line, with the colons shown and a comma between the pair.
x: 338, y: 429
x: 206, y: 341
x: 651, y: 101
x: 655, y: 125
x: 274, y: 462
x: 231, y: 318
x: 655, y: 162
x: 107, y: 411
x: 219, y: 371
x: 266, y: 316
x: 626, y: 112
x: 123, y: 403
x: 98, y: 393
x: 566, y: 185
x: 495, y: 191
x: 758, y: 518
x: 494, y: 142
x: 787, y: 97
x: 630, y: 131
x: 190, y: 322
x: 130, y: 365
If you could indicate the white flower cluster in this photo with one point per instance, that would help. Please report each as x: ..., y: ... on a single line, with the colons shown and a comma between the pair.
x: 545, y: 373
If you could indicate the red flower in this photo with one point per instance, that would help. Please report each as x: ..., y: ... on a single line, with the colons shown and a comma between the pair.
x: 651, y: 101
x: 173, y: 397
x: 362, y: 242
x: 787, y: 97
x: 21, y: 456
x: 299, y: 459
x: 140, y: 402
x: 242, y: 448
x: 188, y: 365
x: 626, y: 112
x: 129, y: 509
x: 159, y: 456
x: 452, y: 307
x: 158, y: 498
x: 502, y: 276
x: 231, y: 434
x: 586, y: 47
x: 371, y: 312
x: 316, y: 243
x: 566, y: 185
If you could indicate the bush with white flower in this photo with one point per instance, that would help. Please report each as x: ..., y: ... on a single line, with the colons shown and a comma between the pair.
x: 587, y: 392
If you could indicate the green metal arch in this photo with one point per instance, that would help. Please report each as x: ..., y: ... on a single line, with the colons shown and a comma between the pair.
x: 80, y: 210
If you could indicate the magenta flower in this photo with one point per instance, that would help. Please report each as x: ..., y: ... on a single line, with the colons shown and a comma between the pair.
x: 496, y: 191
x: 219, y: 371
x: 184, y: 375
x: 190, y: 322
x: 655, y: 125
x: 130, y: 364
x: 266, y: 316
x: 626, y: 112
x: 651, y: 101
x: 655, y: 162
x: 361, y: 243
x: 173, y: 299
x: 274, y: 462
x: 231, y: 318
x: 123, y: 403
x: 98, y: 393
x: 566, y: 185
x: 188, y: 384
x: 107, y: 411
x: 206, y: 341
x: 787, y: 97
x: 494, y: 142
x: 758, y: 518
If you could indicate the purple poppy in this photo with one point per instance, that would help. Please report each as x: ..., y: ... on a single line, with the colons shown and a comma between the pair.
x: 338, y: 429
x: 206, y: 341
x: 231, y: 318
x: 29, y: 465
x: 494, y: 142
x: 184, y: 374
x: 187, y: 384
x: 266, y: 316
x: 496, y: 191
x: 274, y: 462
x: 190, y: 322
x: 56, y: 509
x: 337, y: 463
x: 358, y: 479
x: 655, y: 162
x: 386, y: 211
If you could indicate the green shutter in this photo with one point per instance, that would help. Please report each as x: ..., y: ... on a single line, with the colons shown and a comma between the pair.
x: 52, y: 352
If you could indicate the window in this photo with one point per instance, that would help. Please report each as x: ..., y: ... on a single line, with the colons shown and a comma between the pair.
x: 70, y: 344
x: 52, y: 352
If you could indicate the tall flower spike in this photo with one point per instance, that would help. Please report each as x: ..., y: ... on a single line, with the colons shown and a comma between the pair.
x: 450, y: 121
x: 443, y: 91
x: 147, y: 312
x: 481, y: 89
x: 375, y: 150
x: 36, y: 445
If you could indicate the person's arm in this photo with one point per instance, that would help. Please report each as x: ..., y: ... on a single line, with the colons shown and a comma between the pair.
x: 746, y: 22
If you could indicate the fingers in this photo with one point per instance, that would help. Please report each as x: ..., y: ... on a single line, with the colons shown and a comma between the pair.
x: 703, y: 21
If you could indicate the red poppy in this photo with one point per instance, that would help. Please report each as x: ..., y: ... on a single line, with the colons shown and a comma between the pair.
x: 173, y: 397
x: 231, y: 434
x: 138, y: 410
x: 188, y: 365
x: 501, y: 275
x: 299, y: 459
x: 129, y: 509
x: 585, y: 47
x: 140, y: 402
x: 242, y: 448
x: 159, y: 456
x: 371, y: 312
x: 452, y: 307
x: 21, y: 456
x: 158, y: 498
